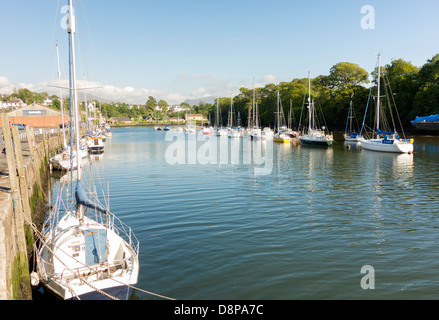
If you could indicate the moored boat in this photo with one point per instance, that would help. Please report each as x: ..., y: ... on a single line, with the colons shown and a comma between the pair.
x: 385, y: 141
x: 314, y: 136
x: 85, y: 253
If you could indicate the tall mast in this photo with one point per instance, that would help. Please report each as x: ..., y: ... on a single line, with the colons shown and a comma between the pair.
x: 71, y: 31
x: 86, y: 104
x: 253, y: 105
x: 378, y: 100
x: 231, y: 112
x: 278, y: 112
x: 61, y: 99
x: 309, y: 100
x: 216, y: 115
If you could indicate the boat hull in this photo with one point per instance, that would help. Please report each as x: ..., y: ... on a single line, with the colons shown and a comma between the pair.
x: 396, y: 146
x: 121, y: 292
x: 96, y: 149
x: 315, y: 142
x: 79, y: 270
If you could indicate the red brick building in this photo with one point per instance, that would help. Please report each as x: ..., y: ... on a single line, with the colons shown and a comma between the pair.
x: 38, y: 116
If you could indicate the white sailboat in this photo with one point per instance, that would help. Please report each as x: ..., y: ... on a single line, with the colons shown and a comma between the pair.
x: 314, y: 136
x: 83, y: 254
x: 385, y: 141
x: 218, y: 129
x: 63, y: 161
x: 232, y: 132
x: 254, y: 131
x: 95, y: 145
x: 351, y: 136
x: 268, y: 133
x: 281, y: 134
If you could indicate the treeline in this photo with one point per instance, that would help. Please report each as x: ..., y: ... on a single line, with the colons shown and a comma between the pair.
x: 28, y: 96
x: 415, y: 91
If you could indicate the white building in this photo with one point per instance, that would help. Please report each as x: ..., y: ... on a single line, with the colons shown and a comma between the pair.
x: 12, y: 104
x: 47, y: 102
x: 176, y: 108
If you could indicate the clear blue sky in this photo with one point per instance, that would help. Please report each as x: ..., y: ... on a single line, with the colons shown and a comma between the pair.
x: 178, y: 49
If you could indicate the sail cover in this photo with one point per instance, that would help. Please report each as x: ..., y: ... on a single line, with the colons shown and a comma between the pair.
x: 384, y: 132
x: 82, y: 198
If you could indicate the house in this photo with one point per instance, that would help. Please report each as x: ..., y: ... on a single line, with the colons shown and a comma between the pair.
x: 47, y: 102
x: 12, y: 104
x: 176, y: 108
x: 37, y: 116
x: 149, y: 118
x: 194, y: 117
x: 114, y: 120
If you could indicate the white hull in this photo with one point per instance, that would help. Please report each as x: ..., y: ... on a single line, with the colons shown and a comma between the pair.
x: 221, y: 132
x: 207, y: 131
x: 234, y: 134
x: 267, y: 133
x: 351, y: 139
x: 78, y: 276
x: 95, y: 146
x: 61, y: 161
x: 397, y: 146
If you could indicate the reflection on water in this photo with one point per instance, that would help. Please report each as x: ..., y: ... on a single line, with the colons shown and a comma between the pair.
x: 220, y: 231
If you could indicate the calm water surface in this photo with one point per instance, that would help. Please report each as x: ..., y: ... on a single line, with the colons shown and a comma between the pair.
x: 304, y: 231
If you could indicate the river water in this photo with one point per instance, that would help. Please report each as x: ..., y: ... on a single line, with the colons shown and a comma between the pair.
x: 293, y: 223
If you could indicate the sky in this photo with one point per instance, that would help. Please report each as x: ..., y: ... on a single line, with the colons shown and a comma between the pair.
x: 176, y: 50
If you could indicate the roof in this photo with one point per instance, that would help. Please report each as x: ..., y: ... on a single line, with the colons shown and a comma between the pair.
x: 27, y: 111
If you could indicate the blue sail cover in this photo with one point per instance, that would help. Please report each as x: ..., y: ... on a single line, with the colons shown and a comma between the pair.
x: 434, y: 117
x: 384, y: 132
x: 82, y: 198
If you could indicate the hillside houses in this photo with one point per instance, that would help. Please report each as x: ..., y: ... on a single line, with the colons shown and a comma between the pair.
x: 12, y: 104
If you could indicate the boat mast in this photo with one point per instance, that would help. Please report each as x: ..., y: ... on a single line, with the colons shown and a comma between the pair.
x: 378, y: 99
x: 60, y: 99
x: 86, y: 104
x: 217, y: 114
x: 253, y: 106
x: 71, y: 32
x: 231, y: 112
x: 309, y: 101
x: 278, y: 112
x: 250, y: 109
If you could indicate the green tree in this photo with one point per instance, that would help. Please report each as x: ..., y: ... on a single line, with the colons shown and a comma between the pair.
x: 151, y: 103
x: 163, y: 104
x: 426, y: 99
x: 402, y: 76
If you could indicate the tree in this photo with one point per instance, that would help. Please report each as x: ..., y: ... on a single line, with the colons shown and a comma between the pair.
x: 163, y: 105
x: 344, y: 76
x: 185, y: 105
x: 426, y: 100
x: 402, y: 76
x: 151, y: 103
